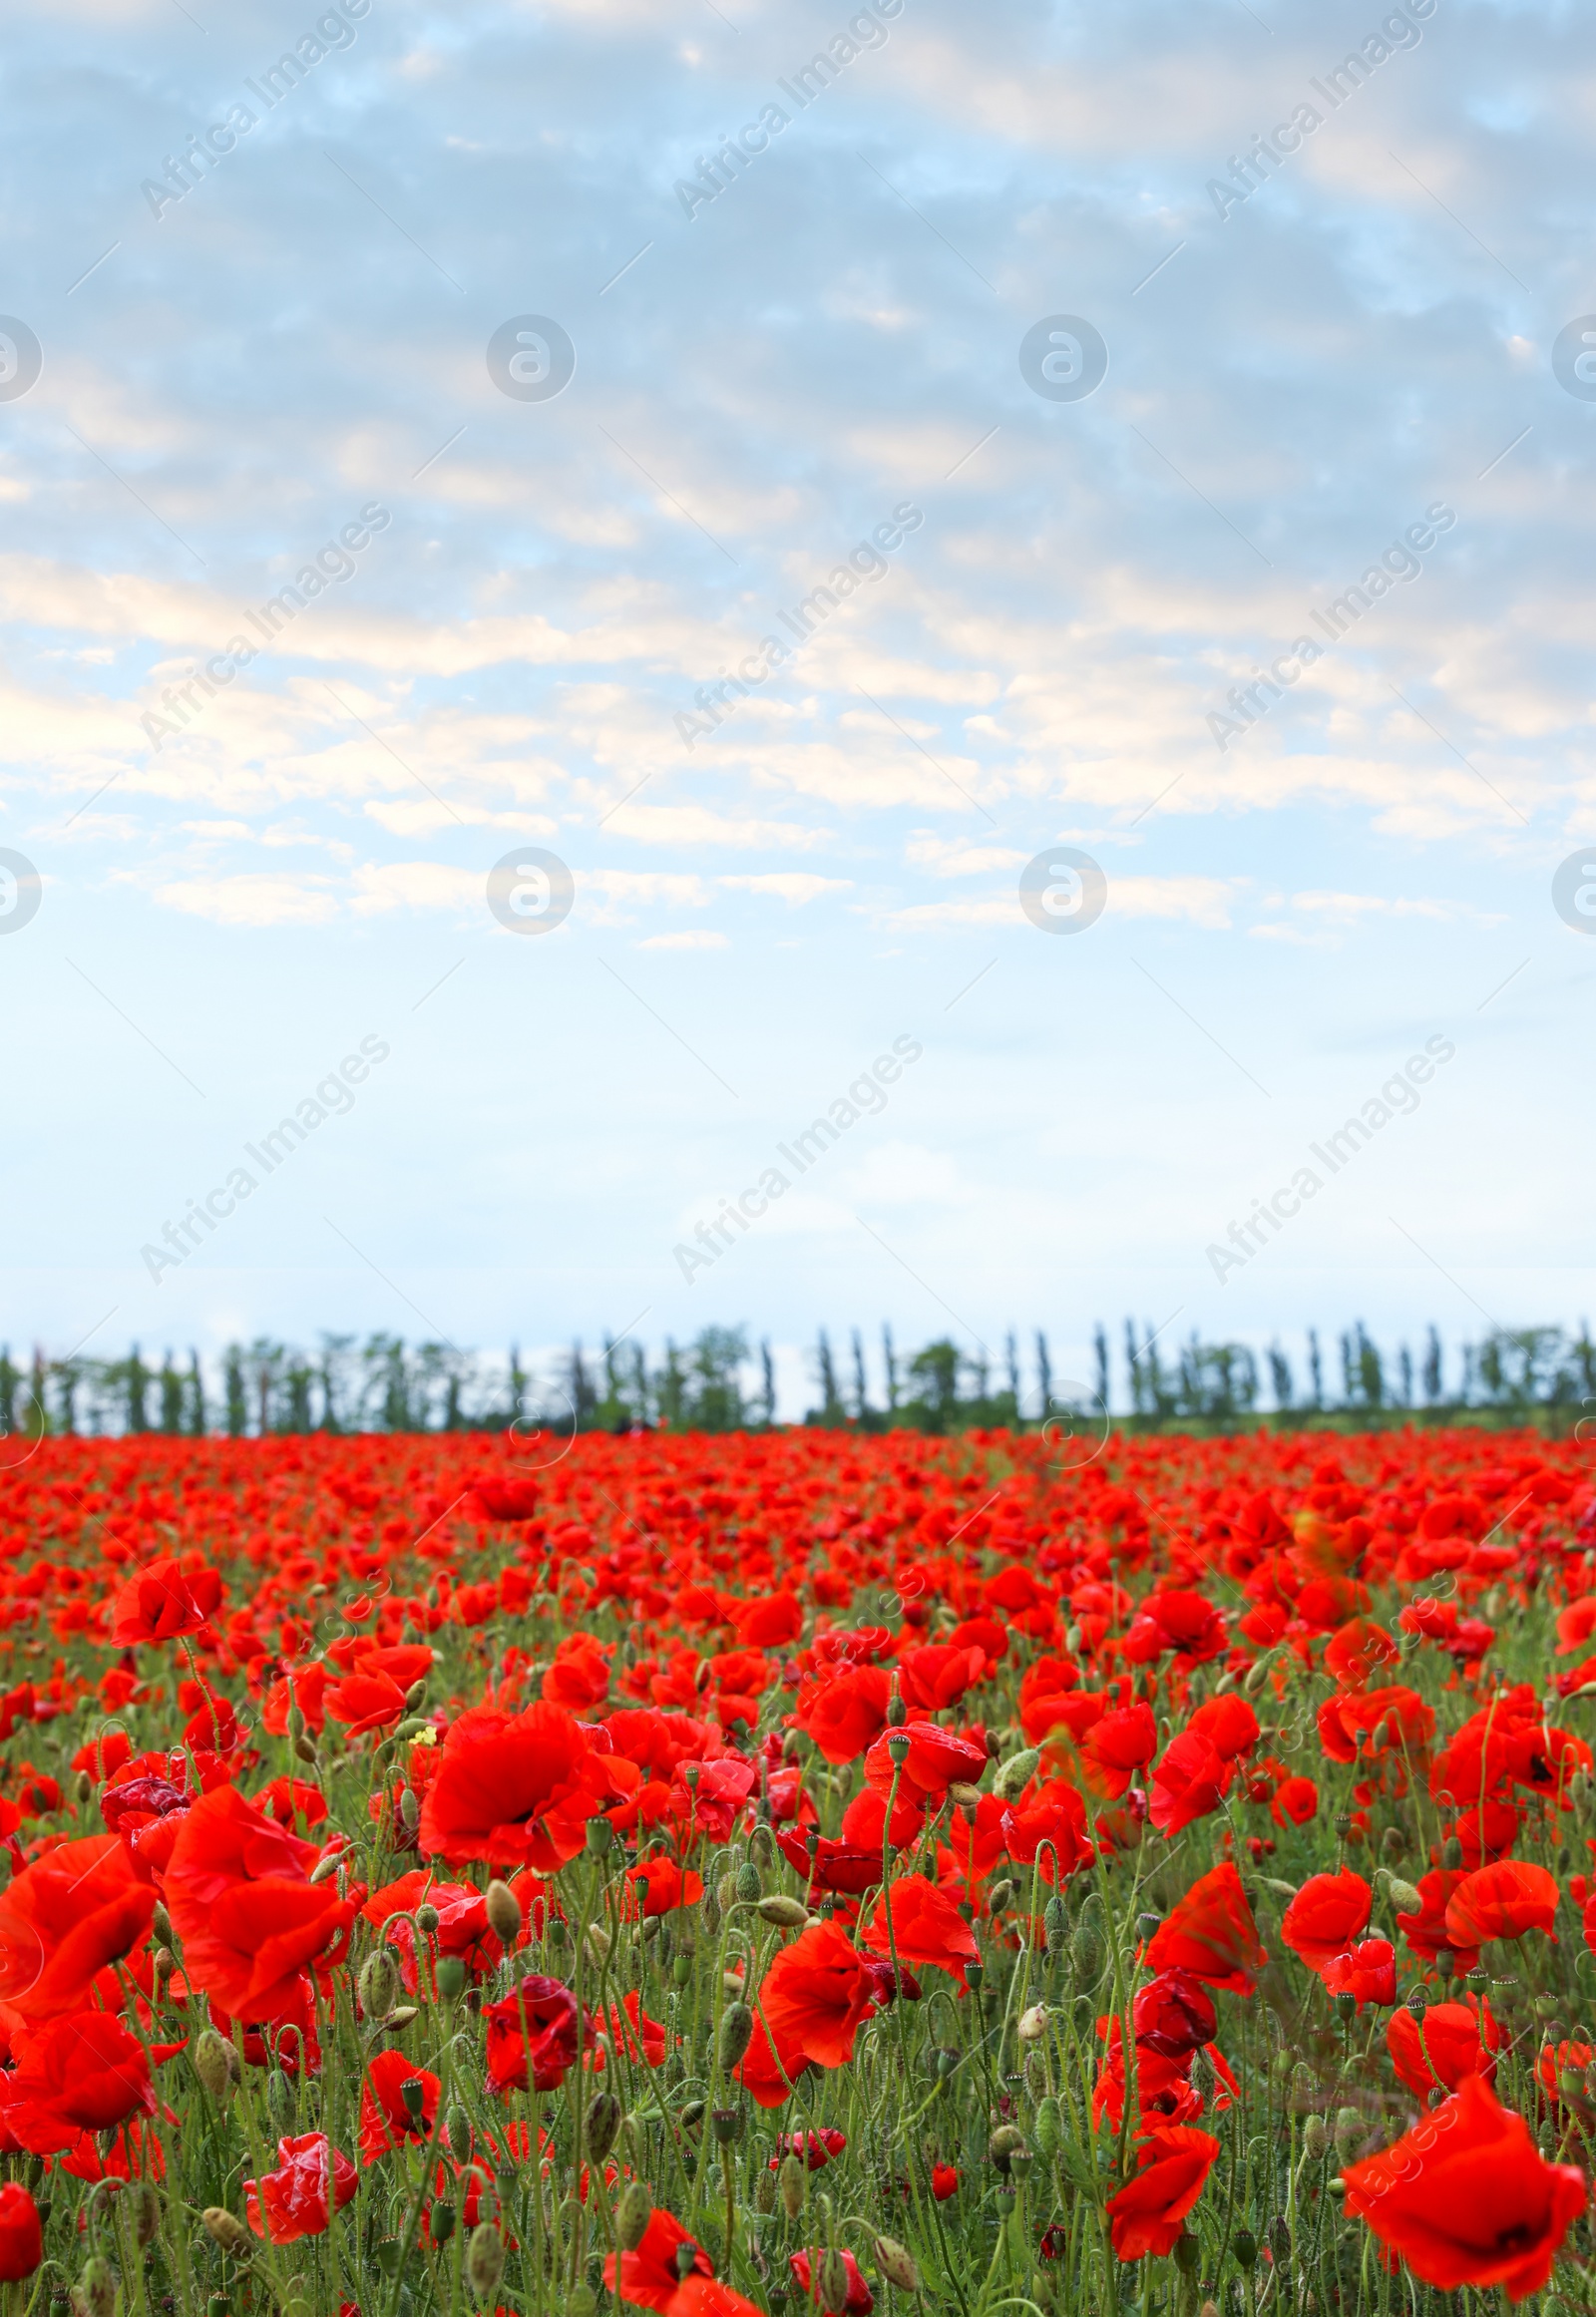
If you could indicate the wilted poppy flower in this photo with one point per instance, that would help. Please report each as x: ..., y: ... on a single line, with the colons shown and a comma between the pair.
x: 292, y: 2201
x: 240, y: 1898
x: 82, y: 2073
x: 531, y: 2036
x: 1210, y: 1932
x: 649, y: 2276
x: 1502, y: 1902
x: 860, y: 2301
x: 926, y: 1927
x: 1150, y: 2213
x: 1327, y: 1914
x: 164, y: 1603
x: 21, y: 2237
x: 1449, y: 2041
x: 1466, y: 2197
x: 816, y: 1995
x: 64, y: 1919
x: 515, y: 1789
x: 387, y: 2118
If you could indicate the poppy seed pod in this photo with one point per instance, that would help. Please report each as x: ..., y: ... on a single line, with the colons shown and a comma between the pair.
x: 791, y: 2179
x: 502, y: 1910
x: 600, y: 2125
x: 736, y: 2034
x: 378, y: 1985
x: 216, y: 2063
x: 899, y: 1742
x: 224, y: 2228
x: 831, y: 2279
x: 451, y: 1977
x: 1188, y: 2251
x: 897, y: 2264
x: 786, y: 1913
x: 484, y: 2261
x: 1007, y: 2143
x: 632, y: 2216
x: 1244, y: 2245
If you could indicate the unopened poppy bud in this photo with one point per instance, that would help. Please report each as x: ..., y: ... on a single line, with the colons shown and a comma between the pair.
x: 378, y: 1985
x: 600, y: 2125
x: 1048, y: 2130
x: 736, y: 2034
x: 451, y: 1977
x: 216, y: 2063
x: 1055, y: 1925
x: 786, y: 1913
x: 95, y: 2291
x: 897, y: 1711
x: 410, y: 1809
x: 1404, y: 1899
x: 1032, y: 2024
x: 1204, y: 2077
x: 745, y: 1882
x: 831, y: 2279
x: 502, y: 1910
x: 791, y: 2182
x: 224, y: 2228
x: 962, y: 1797
x: 426, y: 1920
x: 160, y: 1924
x: 484, y: 2261
x: 1000, y: 1896
x: 142, y: 2205
x: 582, y: 2301
x: 1256, y: 1676
x: 304, y: 1746
x: 1245, y: 2247
x: 1087, y: 1951
x: 1393, y: 1845
x: 83, y: 1788
x: 1279, y: 2240
x: 1315, y: 2138
x: 1451, y: 1853
x: 898, y: 1744
x: 1016, y: 1774
x: 1007, y: 2143
x: 632, y: 2216
x: 897, y: 2264
x: 414, y: 1694
x: 457, y: 2126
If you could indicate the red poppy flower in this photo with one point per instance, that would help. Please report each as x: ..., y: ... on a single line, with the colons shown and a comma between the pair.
x: 816, y: 1995
x: 1466, y: 2197
x: 926, y: 1927
x: 769, y: 1623
x: 365, y: 1702
x: 1295, y: 1803
x: 1366, y: 1972
x: 1187, y: 1623
x: 387, y: 2117
x: 943, y: 2181
x: 847, y: 1714
x: 1210, y: 1932
x: 1047, y: 1828
x: 240, y: 1898
x: 1502, y: 1902
x: 164, y: 1603
x: 661, y: 1885
x: 1426, y: 1932
x: 21, y: 2237
x: 515, y: 1789
x: 769, y: 2073
x: 645, y: 2041
x: 1228, y: 1723
x: 1449, y: 2041
x: 860, y: 2301
x: 82, y: 2073
x: 815, y: 2147
x: 1188, y: 1783
x: 1173, y: 2015
x: 1150, y: 2213
x: 1116, y: 1747
x: 936, y: 1760
x: 531, y: 2036
x: 708, y: 2297
x: 292, y: 2201
x: 64, y: 1919
x: 1327, y: 1914
x: 649, y: 2276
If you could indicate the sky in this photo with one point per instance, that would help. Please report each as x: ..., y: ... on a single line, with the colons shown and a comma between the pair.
x: 643, y: 574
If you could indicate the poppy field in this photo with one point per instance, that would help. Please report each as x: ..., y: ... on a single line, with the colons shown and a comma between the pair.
x: 797, y: 1870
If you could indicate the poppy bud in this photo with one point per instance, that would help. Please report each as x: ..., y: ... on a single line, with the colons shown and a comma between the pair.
x: 745, y: 1881
x: 1048, y: 2129
x: 414, y: 1694
x: 1032, y: 2024
x: 160, y: 1924
x: 597, y: 1942
x: 791, y: 2183
x: 457, y: 2124
x: 304, y: 1747
x: 225, y: 2228
x: 1279, y: 2240
x: 964, y: 1796
x: 96, y: 2287
x: 451, y: 1977
x: 216, y: 2063
x: 1072, y: 1636
x: 426, y: 1920
x: 1007, y: 2143
x: 377, y: 1988
x: 143, y: 2206
x: 1393, y: 1845
x: 1404, y: 1899
x: 1315, y: 2139
x: 736, y: 2034
x: 1086, y: 1951
x: 280, y: 2096
x: 1204, y: 2077
x: 692, y: 2114
x: 82, y: 1789
x: 504, y: 1912
x: 1001, y: 1895
x: 897, y: 2264
x: 600, y: 2125
x: 1055, y: 1925
x: 582, y: 2301
x: 832, y: 2280
x: 1451, y: 1853
x: 1245, y: 2247
x: 788, y: 1914
x: 632, y: 2216
x: 484, y: 2261
x: 410, y: 1809
x: 1017, y: 1773
x: 897, y: 1711
x: 1256, y: 1676
x: 765, y: 2194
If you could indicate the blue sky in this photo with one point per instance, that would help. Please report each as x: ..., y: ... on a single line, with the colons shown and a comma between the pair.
x: 770, y: 359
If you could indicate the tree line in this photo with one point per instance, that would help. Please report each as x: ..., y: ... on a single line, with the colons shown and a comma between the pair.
x: 719, y: 1384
